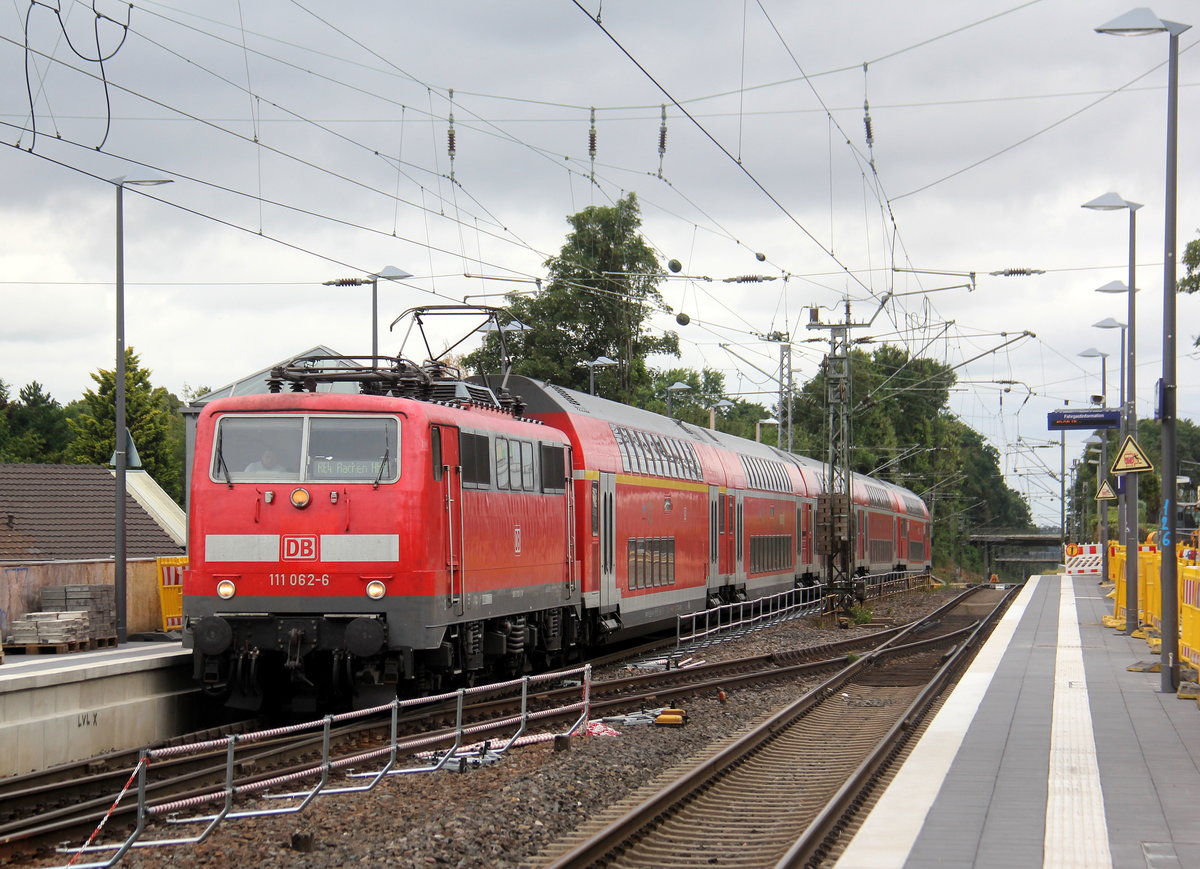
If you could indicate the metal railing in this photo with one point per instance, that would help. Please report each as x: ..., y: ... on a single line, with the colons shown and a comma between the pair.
x: 437, y: 759
x: 749, y: 615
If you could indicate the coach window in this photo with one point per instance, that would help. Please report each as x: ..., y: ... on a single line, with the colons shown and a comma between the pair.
x: 595, y: 508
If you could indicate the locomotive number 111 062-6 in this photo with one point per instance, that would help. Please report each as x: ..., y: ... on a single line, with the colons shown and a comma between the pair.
x: 298, y: 579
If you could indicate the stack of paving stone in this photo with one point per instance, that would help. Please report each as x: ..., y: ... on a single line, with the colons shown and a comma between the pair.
x: 100, y: 602
x: 60, y: 626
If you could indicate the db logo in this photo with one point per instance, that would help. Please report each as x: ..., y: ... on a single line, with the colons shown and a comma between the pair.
x: 299, y: 548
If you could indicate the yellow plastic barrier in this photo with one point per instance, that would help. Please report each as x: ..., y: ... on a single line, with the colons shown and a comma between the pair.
x: 1189, y: 614
x: 170, y: 591
x: 1116, y: 573
x: 1149, y: 596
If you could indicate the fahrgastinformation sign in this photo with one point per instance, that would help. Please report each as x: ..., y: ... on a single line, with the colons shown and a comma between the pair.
x: 1083, y: 418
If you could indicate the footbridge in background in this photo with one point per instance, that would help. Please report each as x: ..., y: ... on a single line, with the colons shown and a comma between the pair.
x: 1019, y: 547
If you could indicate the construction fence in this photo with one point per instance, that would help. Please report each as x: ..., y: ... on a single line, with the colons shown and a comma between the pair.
x: 1148, y: 624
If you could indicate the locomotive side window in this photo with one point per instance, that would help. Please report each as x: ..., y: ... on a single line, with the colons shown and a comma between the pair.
x: 475, y: 459
x: 554, y: 473
x: 527, y: 479
x: 306, y: 449
x: 502, y: 463
x: 435, y: 450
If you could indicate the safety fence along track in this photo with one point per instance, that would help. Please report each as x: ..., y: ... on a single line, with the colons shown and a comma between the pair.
x: 779, y: 795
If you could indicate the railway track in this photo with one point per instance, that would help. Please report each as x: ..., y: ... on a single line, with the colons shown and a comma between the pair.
x: 780, y: 795
x: 64, y: 812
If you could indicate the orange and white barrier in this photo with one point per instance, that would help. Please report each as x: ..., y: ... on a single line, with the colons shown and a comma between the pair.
x: 1084, y: 559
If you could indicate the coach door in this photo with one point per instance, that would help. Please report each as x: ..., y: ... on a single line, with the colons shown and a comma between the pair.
x: 715, y: 503
x: 608, y: 542
x: 447, y: 470
x: 739, y: 545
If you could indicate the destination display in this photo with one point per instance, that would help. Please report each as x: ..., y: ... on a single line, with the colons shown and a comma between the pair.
x: 1084, y: 418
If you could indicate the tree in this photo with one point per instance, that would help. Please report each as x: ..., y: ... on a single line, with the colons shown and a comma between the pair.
x: 38, y: 430
x: 1190, y: 282
x: 600, y: 290
x: 4, y: 405
x: 903, y: 431
x: 149, y: 416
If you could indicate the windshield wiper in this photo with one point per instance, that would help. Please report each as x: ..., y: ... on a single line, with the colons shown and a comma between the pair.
x: 221, y: 466
x: 383, y: 466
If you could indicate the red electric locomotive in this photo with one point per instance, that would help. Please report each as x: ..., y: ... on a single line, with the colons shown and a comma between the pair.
x: 433, y: 530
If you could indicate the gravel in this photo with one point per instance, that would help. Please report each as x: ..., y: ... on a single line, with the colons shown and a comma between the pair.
x: 504, y: 814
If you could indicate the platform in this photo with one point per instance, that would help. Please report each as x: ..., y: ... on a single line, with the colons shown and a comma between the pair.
x: 1048, y: 753
x: 64, y: 707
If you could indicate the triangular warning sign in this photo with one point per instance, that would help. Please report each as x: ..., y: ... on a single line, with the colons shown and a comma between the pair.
x: 1130, y: 459
x: 1106, y: 493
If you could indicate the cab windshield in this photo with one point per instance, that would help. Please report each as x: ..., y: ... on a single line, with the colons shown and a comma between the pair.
x: 294, y: 449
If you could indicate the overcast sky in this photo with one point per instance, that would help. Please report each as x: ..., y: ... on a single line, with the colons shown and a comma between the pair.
x: 308, y: 141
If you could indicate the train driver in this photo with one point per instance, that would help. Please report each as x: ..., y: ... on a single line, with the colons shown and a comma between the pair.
x: 268, y: 462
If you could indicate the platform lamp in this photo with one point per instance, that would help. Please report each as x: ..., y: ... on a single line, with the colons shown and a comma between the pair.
x: 390, y: 273
x: 758, y: 427
x: 601, y: 362
x: 712, y: 412
x: 677, y: 386
x: 1123, y: 525
x: 1129, y: 482
x: 1143, y: 22
x: 121, y: 437
x: 1101, y: 443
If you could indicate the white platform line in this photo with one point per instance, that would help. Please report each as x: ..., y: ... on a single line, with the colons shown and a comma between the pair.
x: 887, y: 836
x: 1076, y: 830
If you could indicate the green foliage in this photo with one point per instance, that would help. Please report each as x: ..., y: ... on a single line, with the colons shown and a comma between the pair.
x: 1081, y: 490
x: 1190, y: 282
x: 33, y: 428
x: 150, y: 416
x: 600, y: 291
x: 903, y: 431
x: 861, y: 614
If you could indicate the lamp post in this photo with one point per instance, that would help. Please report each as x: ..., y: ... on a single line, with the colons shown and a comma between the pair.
x: 390, y: 273
x: 1128, y: 509
x: 603, y: 362
x: 712, y: 412
x: 674, y: 387
x: 758, y: 427
x: 1143, y: 22
x: 1093, y: 353
x: 1101, y: 506
x: 120, y: 434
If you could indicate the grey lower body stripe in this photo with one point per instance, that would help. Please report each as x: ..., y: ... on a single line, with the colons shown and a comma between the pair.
x: 241, y: 547
x: 360, y: 547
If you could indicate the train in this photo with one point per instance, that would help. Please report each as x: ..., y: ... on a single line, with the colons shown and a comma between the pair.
x: 432, y: 530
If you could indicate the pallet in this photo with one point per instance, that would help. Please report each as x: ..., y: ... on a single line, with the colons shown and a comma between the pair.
x: 104, y: 642
x: 47, y: 648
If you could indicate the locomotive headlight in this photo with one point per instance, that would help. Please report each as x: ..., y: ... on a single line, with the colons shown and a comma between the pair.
x: 300, y: 498
x: 226, y: 589
x: 376, y: 589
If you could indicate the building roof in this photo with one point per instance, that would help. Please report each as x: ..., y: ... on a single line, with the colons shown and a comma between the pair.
x: 65, y: 512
